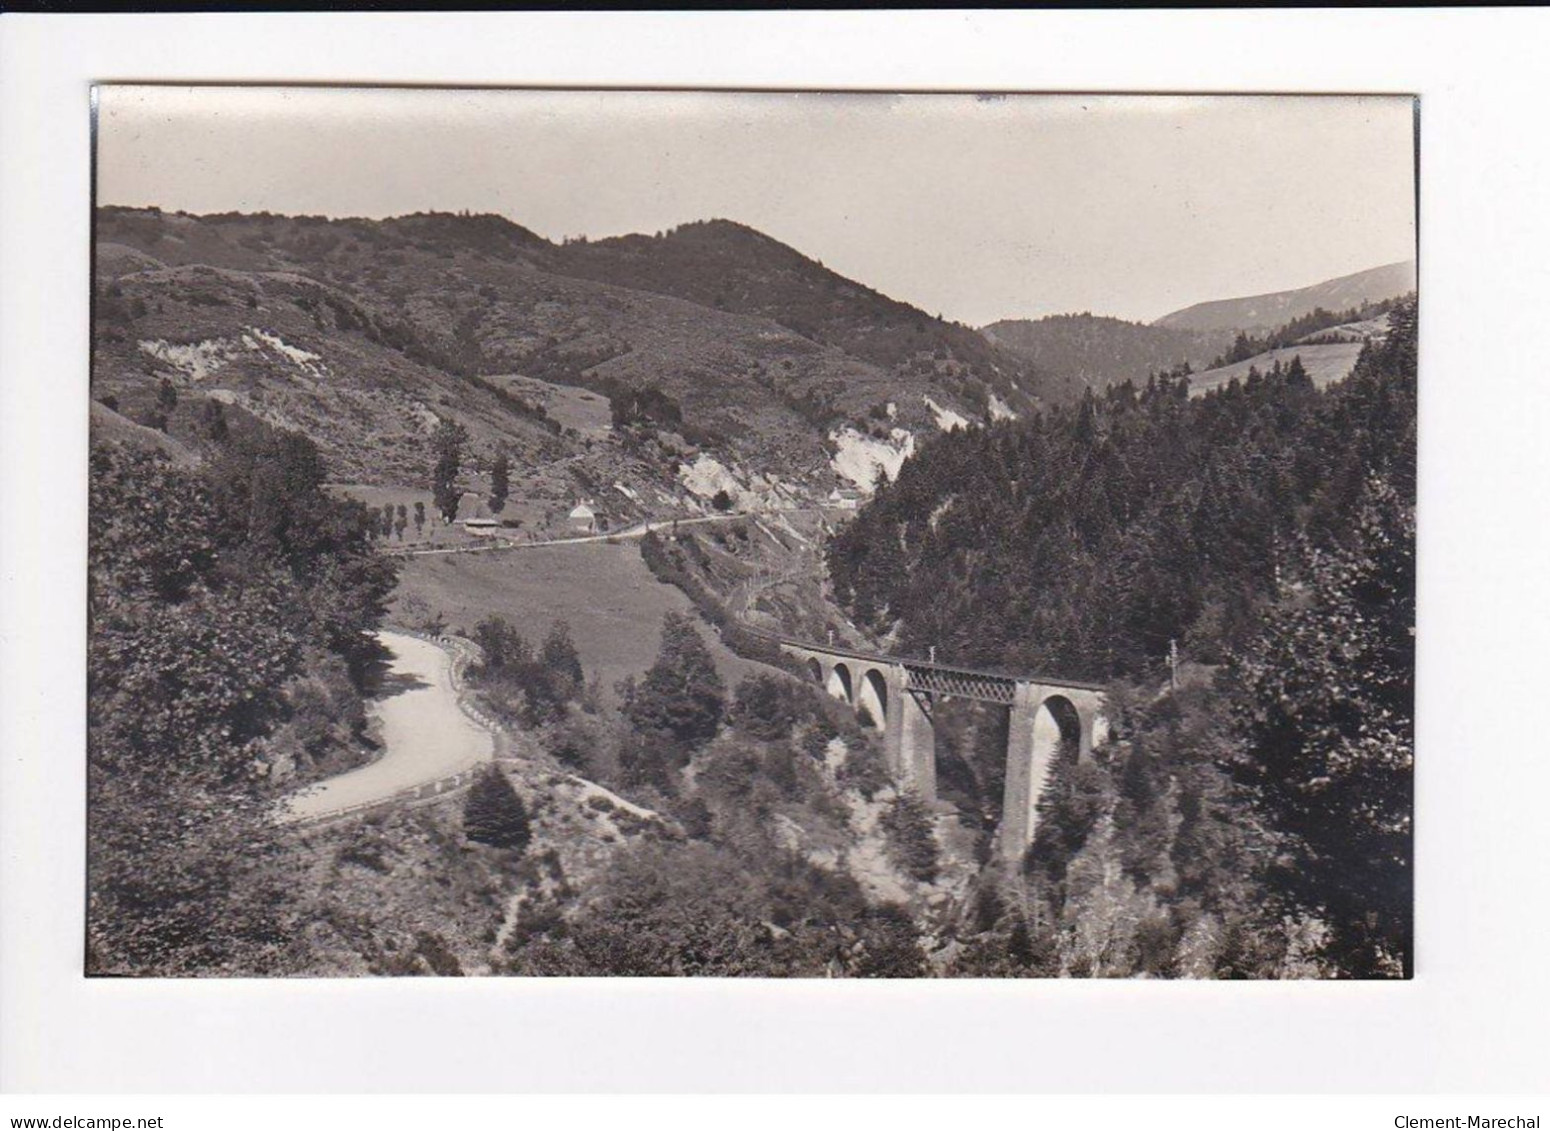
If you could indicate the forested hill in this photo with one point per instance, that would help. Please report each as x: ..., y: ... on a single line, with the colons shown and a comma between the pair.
x: 1080, y: 542
x: 1094, y: 351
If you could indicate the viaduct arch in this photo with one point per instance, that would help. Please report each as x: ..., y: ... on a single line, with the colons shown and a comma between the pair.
x: 1047, y: 719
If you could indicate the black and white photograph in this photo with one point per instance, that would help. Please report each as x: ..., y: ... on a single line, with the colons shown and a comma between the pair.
x: 744, y: 534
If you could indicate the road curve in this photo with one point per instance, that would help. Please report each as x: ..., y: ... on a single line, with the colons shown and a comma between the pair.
x: 425, y: 735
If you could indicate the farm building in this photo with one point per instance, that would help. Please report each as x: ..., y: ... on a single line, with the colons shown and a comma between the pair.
x: 483, y: 527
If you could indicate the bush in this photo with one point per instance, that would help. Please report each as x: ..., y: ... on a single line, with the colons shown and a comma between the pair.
x: 766, y: 706
x: 889, y: 947
x: 864, y: 770
x: 493, y: 813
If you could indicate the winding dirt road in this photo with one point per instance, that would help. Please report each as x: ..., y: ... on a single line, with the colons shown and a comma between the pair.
x: 425, y: 735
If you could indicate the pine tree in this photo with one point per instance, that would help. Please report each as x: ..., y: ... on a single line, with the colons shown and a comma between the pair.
x: 559, y: 655
x: 911, y: 838
x: 493, y: 812
x: 500, y: 483
x: 447, y: 442
x: 215, y: 421
x: 682, y: 695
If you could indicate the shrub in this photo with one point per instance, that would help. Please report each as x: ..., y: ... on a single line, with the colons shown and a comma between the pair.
x: 889, y: 947
x: 864, y: 770
x: 766, y: 706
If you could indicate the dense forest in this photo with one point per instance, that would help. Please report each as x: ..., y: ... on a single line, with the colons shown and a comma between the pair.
x: 1082, y: 541
x: 1258, y: 818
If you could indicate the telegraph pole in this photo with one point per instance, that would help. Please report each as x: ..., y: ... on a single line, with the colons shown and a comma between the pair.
x: 1173, y: 664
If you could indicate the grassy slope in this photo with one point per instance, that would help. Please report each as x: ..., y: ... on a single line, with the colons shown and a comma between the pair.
x: 107, y: 425
x: 613, y: 604
x: 491, y: 308
x: 726, y: 265
x: 1324, y: 363
x: 586, y: 412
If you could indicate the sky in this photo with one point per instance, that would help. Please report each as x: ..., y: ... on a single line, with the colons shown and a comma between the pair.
x: 974, y: 207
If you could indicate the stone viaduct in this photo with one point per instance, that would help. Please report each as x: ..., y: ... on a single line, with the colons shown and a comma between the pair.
x: 1048, y: 718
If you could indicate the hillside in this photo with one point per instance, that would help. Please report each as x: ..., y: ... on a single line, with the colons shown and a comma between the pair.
x: 292, y: 352
x: 1095, y: 351
x: 729, y: 266
x: 1267, y: 311
x: 1239, y: 568
x: 363, y: 333
x: 1328, y: 355
x: 1083, y: 544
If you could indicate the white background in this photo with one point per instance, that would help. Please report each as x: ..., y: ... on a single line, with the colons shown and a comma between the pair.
x: 1475, y: 1017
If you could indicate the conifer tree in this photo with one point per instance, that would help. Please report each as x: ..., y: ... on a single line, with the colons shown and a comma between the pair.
x: 493, y: 812
x: 447, y: 443
x: 682, y: 696
x: 559, y: 655
x: 911, y: 839
x: 1328, y: 714
x: 215, y: 421
x: 500, y: 483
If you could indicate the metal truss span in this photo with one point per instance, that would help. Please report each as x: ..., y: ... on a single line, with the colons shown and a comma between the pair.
x: 960, y: 683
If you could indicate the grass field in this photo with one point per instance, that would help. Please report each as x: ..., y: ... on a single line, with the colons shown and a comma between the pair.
x: 1324, y: 363
x: 585, y: 411
x: 613, y: 604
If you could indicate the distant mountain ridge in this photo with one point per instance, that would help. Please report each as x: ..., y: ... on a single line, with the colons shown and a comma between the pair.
x: 1267, y: 311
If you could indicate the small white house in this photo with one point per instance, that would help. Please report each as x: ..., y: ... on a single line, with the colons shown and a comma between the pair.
x: 481, y: 527
x: 583, y: 519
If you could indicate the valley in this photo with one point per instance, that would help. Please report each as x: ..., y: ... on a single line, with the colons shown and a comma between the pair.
x: 607, y: 474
